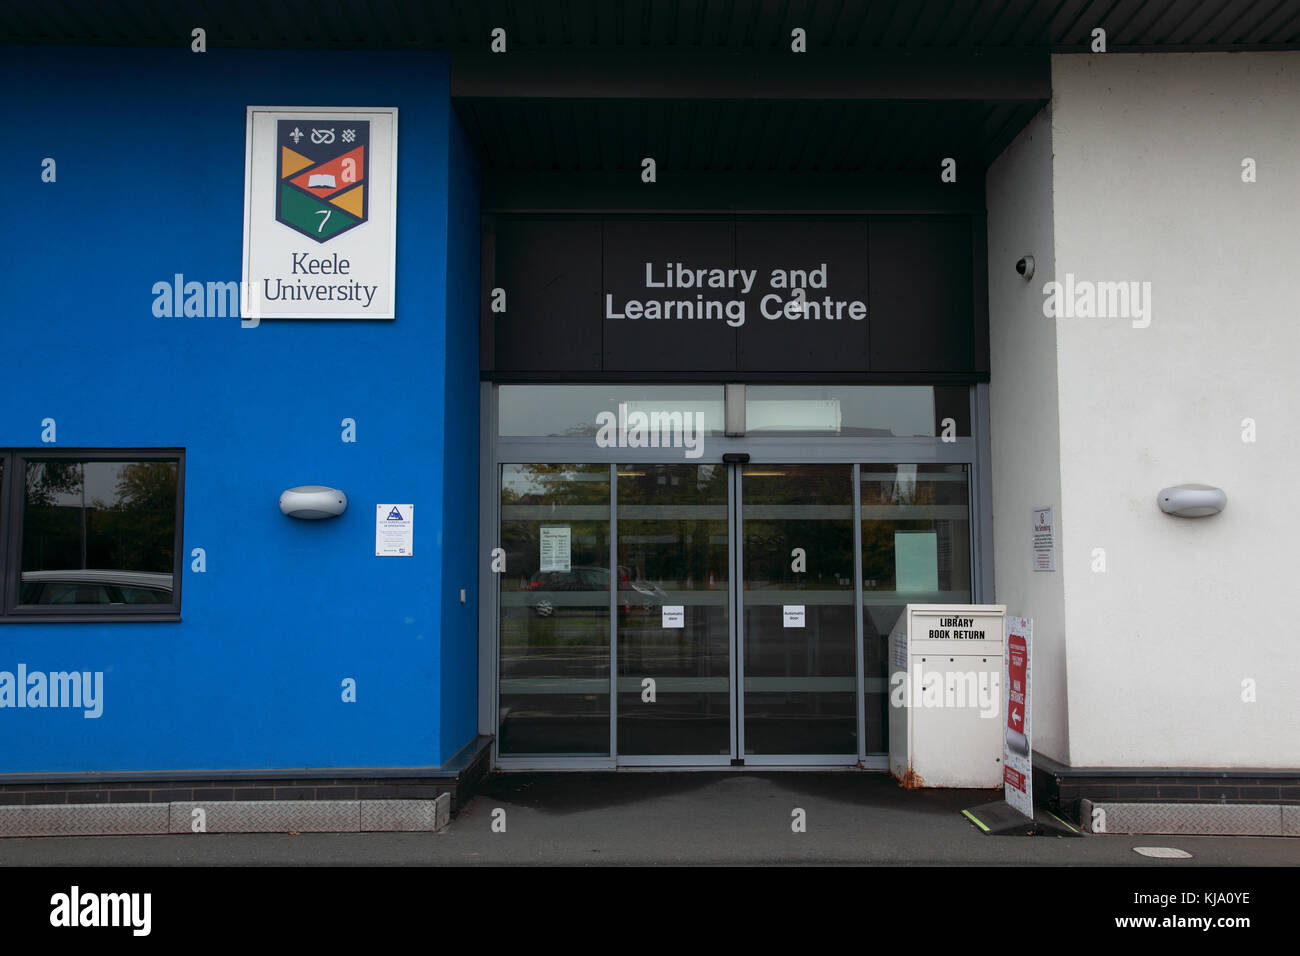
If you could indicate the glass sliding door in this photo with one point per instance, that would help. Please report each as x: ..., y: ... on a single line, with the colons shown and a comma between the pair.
x: 554, y: 610
x: 916, y: 549
x: 674, y: 622
x: 797, y: 610
x: 735, y: 612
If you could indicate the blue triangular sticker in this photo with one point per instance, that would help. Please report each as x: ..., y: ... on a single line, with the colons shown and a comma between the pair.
x: 394, y: 515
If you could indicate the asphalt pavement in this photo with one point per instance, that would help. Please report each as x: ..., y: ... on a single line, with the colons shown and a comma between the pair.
x: 671, y: 818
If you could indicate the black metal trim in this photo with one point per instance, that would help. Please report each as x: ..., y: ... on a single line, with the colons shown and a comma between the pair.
x: 980, y: 293
x: 487, y: 282
x: 674, y: 72
x: 581, y: 377
x: 549, y: 193
x: 19, y: 616
x: 453, y: 768
x: 6, y: 479
x: 1065, y: 772
x: 11, y: 539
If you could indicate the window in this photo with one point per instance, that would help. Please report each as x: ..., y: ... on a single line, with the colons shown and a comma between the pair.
x: 90, y: 535
x: 858, y: 411
x: 560, y: 411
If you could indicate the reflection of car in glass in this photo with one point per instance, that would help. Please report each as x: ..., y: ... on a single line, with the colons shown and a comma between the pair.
x: 648, y: 595
x: 575, y: 579
x: 95, y: 587
x: 643, y: 594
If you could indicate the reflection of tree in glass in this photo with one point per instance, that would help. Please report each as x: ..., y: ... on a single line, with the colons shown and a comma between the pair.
x: 666, y: 548
x: 827, y: 546
x: 141, y: 523
x: 534, y: 485
x: 562, y: 485
x: 45, y: 479
x: 878, y: 535
x: 769, y: 541
x: 135, y: 531
x: 51, y: 531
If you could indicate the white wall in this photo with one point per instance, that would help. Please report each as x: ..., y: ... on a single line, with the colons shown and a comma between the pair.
x: 1024, y: 432
x: 1147, y: 186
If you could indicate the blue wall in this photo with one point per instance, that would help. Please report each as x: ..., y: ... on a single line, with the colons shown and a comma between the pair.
x: 150, y: 182
x: 460, y: 449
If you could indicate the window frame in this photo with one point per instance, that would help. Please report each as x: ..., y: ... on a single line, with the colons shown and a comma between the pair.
x: 13, y: 484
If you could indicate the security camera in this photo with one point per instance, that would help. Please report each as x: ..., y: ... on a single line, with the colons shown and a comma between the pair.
x: 1025, y: 267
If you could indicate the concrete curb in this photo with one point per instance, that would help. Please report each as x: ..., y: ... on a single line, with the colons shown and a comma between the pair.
x: 227, y: 816
x: 1207, y: 819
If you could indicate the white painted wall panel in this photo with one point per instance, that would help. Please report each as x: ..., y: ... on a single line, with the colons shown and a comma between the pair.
x: 1147, y: 187
x: 1025, y: 439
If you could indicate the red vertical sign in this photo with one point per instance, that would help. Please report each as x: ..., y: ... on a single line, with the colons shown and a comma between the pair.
x: 1017, y: 760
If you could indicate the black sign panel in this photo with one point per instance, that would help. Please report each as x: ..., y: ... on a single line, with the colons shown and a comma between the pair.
x: 922, y: 295
x: 549, y: 271
x: 658, y: 309
x: 828, y: 260
x: 741, y: 298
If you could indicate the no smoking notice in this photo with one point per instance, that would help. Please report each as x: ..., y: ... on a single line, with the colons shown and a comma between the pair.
x: 1044, y: 540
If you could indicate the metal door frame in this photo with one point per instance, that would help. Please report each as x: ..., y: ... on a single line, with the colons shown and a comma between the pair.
x: 712, y: 761
x: 972, y: 451
x: 794, y: 760
x: 737, y: 636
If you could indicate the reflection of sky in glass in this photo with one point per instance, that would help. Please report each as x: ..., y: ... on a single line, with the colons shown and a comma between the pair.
x: 523, y: 480
x: 120, y: 529
x: 902, y: 410
x: 101, y: 485
x: 555, y: 410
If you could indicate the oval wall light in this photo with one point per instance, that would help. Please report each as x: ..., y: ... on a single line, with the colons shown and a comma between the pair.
x: 1191, y: 501
x: 312, y: 502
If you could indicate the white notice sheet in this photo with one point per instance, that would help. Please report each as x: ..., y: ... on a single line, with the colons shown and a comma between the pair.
x: 555, y: 543
x: 394, y: 531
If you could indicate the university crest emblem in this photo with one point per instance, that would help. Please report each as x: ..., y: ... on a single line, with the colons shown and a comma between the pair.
x: 321, y: 176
